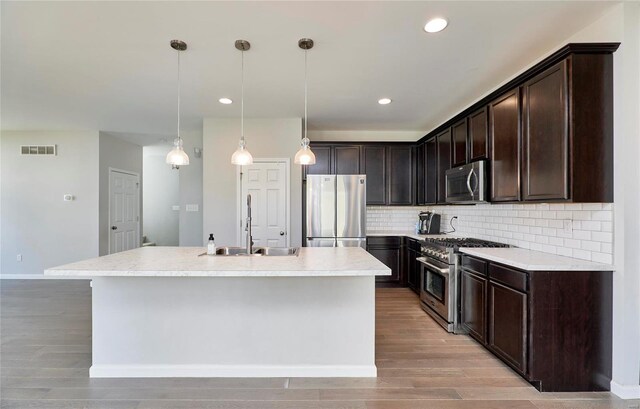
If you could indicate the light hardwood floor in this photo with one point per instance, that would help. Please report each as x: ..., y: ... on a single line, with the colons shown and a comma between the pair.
x: 46, y: 353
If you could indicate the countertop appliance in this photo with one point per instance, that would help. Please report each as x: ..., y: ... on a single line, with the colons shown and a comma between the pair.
x: 336, y: 211
x: 468, y: 183
x: 440, y: 294
x: 429, y: 223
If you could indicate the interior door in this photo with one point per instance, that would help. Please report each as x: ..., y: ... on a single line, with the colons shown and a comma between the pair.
x: 266, y: 182
x: 124, y: 208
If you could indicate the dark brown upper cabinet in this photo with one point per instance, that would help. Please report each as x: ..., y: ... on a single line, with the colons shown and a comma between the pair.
x: 478, y: 135
x: 444, y: 162
x: 431, y: 171
x: 346, y: 160
x: 400, y: 175
x: 373, y: 163
x: 323, y: 165
x: 459, y: 135
x: 420, y: 174
x: 504, y: 131
x: 545, y: 136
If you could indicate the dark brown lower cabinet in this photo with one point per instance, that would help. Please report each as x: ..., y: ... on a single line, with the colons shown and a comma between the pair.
x: 412, y: 265
x: 508, y: 325
x: 388, y: 249
x: 474, y: 305
x: 552, y: 327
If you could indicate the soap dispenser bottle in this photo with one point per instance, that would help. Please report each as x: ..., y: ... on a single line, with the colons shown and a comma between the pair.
x: 211, y: 245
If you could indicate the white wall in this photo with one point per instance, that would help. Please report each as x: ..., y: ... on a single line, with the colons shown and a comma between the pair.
x: 191, y: 192
x: 266, y: 138
x: 365, y: 136
x: 118, y: 154
x: 160, y: 193
x: 35, y: 221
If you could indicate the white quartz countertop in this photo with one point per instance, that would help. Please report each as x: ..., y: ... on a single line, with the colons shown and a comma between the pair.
x: 531, y: 260
x: 409, y: 233
x: 186, y: 262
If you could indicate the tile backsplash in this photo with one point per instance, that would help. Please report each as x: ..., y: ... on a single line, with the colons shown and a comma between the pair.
x: 579, y: 230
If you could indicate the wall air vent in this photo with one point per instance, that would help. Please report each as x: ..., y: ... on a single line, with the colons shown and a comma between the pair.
x: 38, y: 150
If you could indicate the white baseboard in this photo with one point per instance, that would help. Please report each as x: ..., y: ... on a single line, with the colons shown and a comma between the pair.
x: 625, y: 391
x: 39, y: 277
x: 230, y: 371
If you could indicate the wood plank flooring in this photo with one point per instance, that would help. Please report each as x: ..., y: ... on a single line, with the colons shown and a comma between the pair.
x: 46, y: 353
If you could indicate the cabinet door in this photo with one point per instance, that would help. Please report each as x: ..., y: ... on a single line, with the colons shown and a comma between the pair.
x: 545, y: 136
x: 400, y: 175
x: 431, y: 171
x: 391, y: 258
x: 413, y: 270
x: 420, y: 174
x: 323, y: 161
x: 444, y: 163
x: 478, y: 135
x: 508, y: 325
x: 373, y: 163
x: 474, y: 305
x: 346, y: 160
x: 459, y: 137
x: 504, y: 129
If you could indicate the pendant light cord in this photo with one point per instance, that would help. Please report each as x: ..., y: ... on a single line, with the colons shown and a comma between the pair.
x: 179, y: 138
x: 306, y: 140
x: 242, y: 99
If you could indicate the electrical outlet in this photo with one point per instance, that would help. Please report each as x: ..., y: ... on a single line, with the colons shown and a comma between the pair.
x: 567, y: 226
x: 19, y: 257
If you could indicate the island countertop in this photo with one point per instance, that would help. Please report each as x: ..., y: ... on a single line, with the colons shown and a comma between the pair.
x: 187, y: 262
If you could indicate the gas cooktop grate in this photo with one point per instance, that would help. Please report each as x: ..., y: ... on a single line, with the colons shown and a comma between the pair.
x: 455, y: 242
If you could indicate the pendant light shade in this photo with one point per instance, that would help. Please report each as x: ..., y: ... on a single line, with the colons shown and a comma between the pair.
x: 177, y: 156
x: 242, y: 156
x: 305, y: 156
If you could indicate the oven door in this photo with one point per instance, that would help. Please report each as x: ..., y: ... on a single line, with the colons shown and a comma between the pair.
x: 434, y: 286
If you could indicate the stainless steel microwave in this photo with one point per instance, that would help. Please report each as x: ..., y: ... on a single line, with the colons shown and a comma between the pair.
x: 468, y: 183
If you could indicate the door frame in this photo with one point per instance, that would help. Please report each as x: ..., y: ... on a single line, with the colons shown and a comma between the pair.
x: 241, y: 202
x: 139, y: 216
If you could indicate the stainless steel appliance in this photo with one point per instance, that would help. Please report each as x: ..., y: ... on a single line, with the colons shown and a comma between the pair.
x: 468, y: 183
x: 429, y: 223
x: 440, y: 278
x: 336, y: 211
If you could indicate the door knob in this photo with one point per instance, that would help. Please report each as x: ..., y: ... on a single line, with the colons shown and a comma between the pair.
x: 114, y: 228
x: 282, y: 233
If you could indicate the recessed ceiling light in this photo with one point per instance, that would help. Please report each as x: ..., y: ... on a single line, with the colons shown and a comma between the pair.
x: 435, y: 24
x: 384, y: 101
x: 225, y: 101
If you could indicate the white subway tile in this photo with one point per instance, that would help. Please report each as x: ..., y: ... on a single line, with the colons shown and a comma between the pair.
x: 602, y: 236
x: 591, y: 206
x: 602, y: 258
x: 582, y: 254
x: 590, y: 245
x: 571, y: 243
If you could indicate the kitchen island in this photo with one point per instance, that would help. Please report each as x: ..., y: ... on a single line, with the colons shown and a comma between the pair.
x: 171, y: 312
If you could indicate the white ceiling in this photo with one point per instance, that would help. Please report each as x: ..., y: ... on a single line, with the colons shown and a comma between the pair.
x: 108, y: 65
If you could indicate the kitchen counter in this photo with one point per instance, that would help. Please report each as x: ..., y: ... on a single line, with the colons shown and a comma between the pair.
x: 168, y: 312
x: 186, y: 262
x: 531, y: 260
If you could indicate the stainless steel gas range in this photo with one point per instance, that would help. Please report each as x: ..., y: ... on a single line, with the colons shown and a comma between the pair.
x: 440, y: 278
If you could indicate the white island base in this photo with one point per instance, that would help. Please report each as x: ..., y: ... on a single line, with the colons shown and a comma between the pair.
x: 233, y: 327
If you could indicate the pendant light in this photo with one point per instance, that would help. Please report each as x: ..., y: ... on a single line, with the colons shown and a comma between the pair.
x: 242, y: 156
x: 178, y: 157
x: 305, y: 156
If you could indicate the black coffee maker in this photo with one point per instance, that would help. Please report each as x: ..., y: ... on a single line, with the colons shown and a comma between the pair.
x: 429, y: 223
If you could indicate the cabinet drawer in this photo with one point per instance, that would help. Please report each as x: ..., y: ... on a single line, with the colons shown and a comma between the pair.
x: 507, y: 276
x: 384, y: 241
x: 474, y: 265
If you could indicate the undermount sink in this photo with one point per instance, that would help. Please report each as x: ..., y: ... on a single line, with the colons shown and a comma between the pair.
x: 258, y: 251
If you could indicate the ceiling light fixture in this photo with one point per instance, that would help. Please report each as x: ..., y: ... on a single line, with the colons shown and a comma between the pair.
x: 305, y: 156
x: 225, y: 101
x: 384, y: 101
x: 177, y: 156
x: 435, y: 25
x: 242, y: 156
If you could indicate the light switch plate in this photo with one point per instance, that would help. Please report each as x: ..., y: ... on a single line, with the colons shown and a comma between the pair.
x: 175, y: 207
x: 192, y: 207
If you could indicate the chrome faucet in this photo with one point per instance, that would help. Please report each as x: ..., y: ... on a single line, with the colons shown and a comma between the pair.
x: 248, y: 227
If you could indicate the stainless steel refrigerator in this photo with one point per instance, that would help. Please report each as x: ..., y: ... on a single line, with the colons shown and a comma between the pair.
x: 336, y: 211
